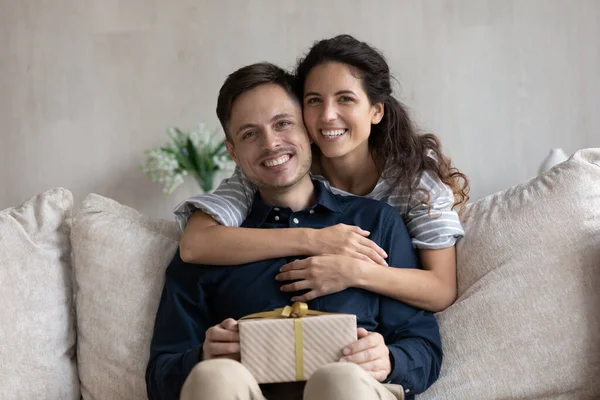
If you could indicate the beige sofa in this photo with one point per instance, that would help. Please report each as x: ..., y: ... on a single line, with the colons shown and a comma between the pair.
x: 526, y: 324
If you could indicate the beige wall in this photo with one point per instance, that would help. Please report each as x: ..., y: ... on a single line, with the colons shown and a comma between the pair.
x: 86, y: 86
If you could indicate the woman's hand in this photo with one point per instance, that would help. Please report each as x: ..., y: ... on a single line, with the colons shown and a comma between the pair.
x: 321, y: 275
x: 350, y: 241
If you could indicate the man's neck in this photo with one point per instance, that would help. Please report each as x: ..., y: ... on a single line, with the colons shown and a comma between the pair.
x: 355, y: 172
x: 299, y: 196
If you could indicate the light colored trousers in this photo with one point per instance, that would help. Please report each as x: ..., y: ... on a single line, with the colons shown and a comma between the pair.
x: 224, y: 379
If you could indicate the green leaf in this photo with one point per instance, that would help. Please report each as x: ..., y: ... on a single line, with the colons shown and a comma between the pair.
x: 193, y: 153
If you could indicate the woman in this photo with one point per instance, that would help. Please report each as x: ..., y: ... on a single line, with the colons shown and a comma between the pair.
x: 366, y: 145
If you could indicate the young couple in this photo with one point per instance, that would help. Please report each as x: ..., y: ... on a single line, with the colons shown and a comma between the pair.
x: 337, y: 252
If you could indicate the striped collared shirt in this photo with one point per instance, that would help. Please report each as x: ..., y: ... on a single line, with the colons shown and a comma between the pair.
x: 437, y: 227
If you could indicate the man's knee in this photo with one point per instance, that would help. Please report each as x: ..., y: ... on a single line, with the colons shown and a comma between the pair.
x: 338, y: 380
x: 218, y: 378
x: 338, y: 371
x: 218, y: 369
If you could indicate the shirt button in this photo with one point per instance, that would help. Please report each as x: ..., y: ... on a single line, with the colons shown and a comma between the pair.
x: 311, y: 212
x: 407, y: 391
x: 276, y: 208
x: 277, y: 218
x: 296, y: 220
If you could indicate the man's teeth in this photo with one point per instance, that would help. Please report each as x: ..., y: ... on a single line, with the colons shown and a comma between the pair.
x: 277, y: 161
x: 333, y: 133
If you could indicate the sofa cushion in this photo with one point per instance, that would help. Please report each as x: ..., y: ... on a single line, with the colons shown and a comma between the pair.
x: 120, y: 257
x: 37, y: 321
x: 526, y: 323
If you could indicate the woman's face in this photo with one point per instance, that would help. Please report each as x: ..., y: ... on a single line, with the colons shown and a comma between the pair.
x: 337, y: 111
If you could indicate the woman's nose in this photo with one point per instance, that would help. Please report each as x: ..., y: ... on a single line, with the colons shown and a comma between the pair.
x: 329, y: 113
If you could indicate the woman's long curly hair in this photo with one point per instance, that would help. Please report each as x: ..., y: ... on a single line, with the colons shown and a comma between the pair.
x: 394, y: 141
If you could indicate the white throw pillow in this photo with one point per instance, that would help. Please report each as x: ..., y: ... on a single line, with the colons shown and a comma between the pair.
x: 37, y: 320
x: 527, y: 324
x: 120, y: 258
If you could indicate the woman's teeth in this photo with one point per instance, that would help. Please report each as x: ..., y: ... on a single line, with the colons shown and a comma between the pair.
x: 277, y: 161
x: 333, y: 133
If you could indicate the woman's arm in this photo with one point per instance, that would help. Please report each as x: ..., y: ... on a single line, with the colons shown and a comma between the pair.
x: 204, y: 241
x: 433, y: 288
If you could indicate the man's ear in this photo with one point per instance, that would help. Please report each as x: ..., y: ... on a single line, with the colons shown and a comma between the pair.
x: 231, y: 150
x: 377, y: 112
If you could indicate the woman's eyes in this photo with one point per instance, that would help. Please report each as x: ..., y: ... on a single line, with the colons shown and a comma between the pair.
x: 342, y: 99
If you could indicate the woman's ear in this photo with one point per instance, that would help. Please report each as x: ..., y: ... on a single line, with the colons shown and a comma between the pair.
x: 377, y: 112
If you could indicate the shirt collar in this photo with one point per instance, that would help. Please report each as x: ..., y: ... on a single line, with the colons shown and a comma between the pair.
x: 261, y: 209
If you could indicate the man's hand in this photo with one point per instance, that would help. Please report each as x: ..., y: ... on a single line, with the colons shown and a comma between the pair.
x: 370, y: 353
x: 350, y: 241
x: 222, y: 341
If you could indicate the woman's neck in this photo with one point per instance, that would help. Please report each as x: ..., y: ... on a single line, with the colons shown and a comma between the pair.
x: 355, y: 173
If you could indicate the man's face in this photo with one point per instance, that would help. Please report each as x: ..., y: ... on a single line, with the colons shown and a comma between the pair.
x: 268, y: 140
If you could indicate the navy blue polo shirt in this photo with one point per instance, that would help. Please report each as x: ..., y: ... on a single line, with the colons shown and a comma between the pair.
x: 196, y: 297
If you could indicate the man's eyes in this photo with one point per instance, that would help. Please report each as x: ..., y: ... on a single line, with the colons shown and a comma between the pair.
x: 248, y: 134
x: 283, y: 124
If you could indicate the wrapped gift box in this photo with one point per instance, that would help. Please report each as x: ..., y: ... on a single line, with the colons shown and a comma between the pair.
x: 292, y: 349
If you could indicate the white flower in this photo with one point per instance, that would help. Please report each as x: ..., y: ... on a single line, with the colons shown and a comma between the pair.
x: 223, y: 162
x: 162, y: 167
x: 170, y: 164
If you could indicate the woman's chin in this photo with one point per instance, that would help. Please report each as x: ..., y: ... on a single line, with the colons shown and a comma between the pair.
x: 333, y: 152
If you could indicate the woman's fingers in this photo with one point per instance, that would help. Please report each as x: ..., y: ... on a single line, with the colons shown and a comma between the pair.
x: 372, y: 245
x: 297, y: 286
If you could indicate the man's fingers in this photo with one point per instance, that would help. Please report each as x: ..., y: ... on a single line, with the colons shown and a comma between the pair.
x: 230, y: 324
x: 365, y: 341
x: 296, y: 286
x: 361, y: 357
x: 379, y: 376
x: 362, y: 332
x: 373, y: 365
x: 223, y: 348
x: 220, y: 334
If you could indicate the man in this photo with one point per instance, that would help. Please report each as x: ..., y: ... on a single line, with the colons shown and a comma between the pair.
x: 195, y: 347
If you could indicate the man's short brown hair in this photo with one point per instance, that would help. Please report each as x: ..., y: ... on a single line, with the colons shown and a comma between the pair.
x: 248, y: 78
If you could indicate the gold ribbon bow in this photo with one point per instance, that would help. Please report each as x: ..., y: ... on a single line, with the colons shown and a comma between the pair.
x: 295, y: 311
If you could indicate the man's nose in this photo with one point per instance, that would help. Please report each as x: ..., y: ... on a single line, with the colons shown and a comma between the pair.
x: 271, y: 140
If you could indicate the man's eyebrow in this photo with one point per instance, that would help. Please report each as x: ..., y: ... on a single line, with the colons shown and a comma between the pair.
x: 280, y: 116
x: 245, y: 126
x: 336, y: 93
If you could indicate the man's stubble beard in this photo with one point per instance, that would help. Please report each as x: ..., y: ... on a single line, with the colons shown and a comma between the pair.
x: 303, y: 170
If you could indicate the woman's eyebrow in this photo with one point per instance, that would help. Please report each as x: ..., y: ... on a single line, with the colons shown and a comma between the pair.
x: 336, y: 93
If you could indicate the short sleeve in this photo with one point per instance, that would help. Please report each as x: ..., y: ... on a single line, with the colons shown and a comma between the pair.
x: 229, y: 204
x: 437, y: 227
